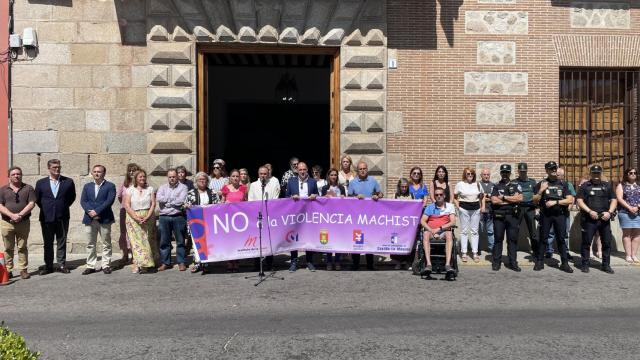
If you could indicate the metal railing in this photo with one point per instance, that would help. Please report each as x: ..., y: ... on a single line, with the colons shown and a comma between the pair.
x: 598, y: 120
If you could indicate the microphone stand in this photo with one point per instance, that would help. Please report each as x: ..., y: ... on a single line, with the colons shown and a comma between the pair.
x: 261, y: 275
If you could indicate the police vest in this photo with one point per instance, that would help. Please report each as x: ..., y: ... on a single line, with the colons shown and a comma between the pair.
x: 509, y: 189
x: 597, y: 197
x: 555, y: 192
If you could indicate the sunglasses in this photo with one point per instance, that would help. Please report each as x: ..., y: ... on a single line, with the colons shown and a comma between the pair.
x: 469, y: 174
x: 416, y: 173
x: 362, y: 169
x: 216, y: 167
x: 631, y: 172
x: 438, y: 195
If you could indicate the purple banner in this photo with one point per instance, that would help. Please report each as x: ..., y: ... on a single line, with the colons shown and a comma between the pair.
x: 339, y: 225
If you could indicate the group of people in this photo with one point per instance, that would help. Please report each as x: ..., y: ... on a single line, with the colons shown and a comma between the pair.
x: 479, y: 206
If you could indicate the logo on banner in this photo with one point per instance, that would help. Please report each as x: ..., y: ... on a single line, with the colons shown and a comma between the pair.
x: 324, y: 237
x: 358, y: 237
x: 394, y: 238
x: 251, y: 241
x: 291, y: 237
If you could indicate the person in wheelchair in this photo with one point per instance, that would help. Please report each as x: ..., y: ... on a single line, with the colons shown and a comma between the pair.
x: 438, y: 220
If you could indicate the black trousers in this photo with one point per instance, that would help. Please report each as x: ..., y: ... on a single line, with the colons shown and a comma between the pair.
x: 355, y: 258
x: 528, y: 214
x: 505, y: 223
x: 589, y: 228
x: 559, y: 223
x: 55, y: 231
x: 294, y: 256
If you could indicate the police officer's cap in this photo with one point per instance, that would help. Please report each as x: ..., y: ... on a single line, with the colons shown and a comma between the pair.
x: 595, y: 169
x: 522, y: 166
x: 550, y: 165
x: 505, y: 168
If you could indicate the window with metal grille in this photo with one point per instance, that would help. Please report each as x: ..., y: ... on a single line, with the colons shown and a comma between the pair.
x: 598, y: 118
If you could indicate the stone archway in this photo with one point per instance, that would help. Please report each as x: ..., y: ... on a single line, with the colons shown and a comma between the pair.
x: 175, y: 28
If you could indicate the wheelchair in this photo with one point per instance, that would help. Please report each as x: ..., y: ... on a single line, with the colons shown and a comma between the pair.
x: 438, y: 257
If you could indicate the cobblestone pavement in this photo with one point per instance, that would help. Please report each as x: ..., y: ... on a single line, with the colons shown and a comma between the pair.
x: 345, y: 315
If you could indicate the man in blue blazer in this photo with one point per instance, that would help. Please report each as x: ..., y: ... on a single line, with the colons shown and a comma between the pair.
x: 54, y: 195
x: 302, y: 186
x: 96, y: 200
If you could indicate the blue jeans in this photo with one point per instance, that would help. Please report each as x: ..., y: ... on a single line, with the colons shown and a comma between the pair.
x: 552, y: 237
x: 171, y: 225
x: 486, y: 227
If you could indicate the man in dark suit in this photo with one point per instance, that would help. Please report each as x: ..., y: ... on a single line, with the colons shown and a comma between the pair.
x: 54, y: 195
x: 301, y: 187
x: 96, y: 200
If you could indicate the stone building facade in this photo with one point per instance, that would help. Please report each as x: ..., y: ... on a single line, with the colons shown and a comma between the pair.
x: 422, y: 82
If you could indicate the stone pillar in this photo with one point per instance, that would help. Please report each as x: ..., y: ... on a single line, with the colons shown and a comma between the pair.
x: 363, y: 77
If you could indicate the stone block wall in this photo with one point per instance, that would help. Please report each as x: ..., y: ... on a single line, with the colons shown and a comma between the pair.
x: 477, y: 84
x: 80, y: 97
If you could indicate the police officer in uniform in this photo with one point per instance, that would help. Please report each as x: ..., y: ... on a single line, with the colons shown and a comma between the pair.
x: 597, y: 203
x: 554, y: 200
x: 527, y: 206
x: 505, y: 197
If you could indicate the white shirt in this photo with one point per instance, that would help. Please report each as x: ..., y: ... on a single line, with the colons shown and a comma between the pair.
x: 320, y: 184
x: 140, y: 200
x: 204, y: 198
x: 304, y: 187
x: 467, y: 192
x: 97, y: 187
x: 271, y: 190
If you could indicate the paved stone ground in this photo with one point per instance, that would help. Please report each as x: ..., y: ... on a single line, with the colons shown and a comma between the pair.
x: 346, y: 315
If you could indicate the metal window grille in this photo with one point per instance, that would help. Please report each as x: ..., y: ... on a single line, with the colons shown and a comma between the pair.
x: 598, y: 121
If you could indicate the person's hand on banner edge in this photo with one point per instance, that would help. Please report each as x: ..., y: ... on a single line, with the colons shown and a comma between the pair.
x: 313, y: 196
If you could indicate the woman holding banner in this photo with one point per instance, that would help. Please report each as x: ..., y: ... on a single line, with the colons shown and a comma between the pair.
x: 199, y: 196
x: 333, y: 189
x: 140, y: 203
x: 234, y: 192
x: 403, y: 192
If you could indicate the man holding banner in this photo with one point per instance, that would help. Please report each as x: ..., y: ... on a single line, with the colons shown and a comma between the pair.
x: 364, y: 187
x: 302, y: 187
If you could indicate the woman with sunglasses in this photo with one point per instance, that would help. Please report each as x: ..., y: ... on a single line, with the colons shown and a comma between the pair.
x: 628, y: 195
x: 417, y: 188
x: 469, y: 199
x: 316, y: 172
x: 441, y: 180
x: 333, y: 189
x: 218, y: 176
x: 234, y: 192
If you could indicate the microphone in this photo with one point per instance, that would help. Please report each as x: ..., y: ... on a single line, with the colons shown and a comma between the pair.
x: 263, y: 182
x: 266, y: 196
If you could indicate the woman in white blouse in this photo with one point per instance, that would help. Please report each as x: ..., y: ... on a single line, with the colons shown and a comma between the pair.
x: 198, y: 196
x: 469, y: 200
x: 140, y: 203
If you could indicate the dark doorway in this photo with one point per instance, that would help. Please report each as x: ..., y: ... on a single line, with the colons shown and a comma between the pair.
x: 266, y: 108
